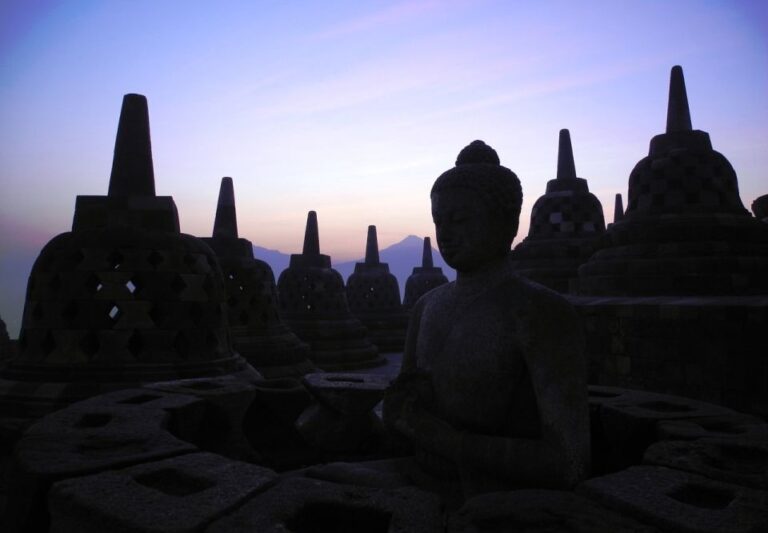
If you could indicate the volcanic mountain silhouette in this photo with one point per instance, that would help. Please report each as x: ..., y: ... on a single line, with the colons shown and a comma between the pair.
x: 401, y: 257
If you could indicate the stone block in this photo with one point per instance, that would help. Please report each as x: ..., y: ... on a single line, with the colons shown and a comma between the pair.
x: 178, y: 495
x: 677, y: 501
x: 227, y: 399
x: 303, y: 505
x: 383, y: 474
x: 105, y: 432
x: 269, y: 423
x: 349, y: 394
x: 535, y: 511
x: 737, y: 461
x: 737, y: 426
x: 628, y: 422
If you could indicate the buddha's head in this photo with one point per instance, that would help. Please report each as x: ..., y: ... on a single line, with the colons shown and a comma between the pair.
x: 476, y: 209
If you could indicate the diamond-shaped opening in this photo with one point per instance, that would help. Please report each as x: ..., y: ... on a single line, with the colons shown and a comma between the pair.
x: 135, y: 343
x: 49, y: 344
x: 92, y: 283
x: 77, y: 257
x: 90, y: 344
x: 131, y: 286
x: 114, y: 313
x: 231, y: 275
x: 178, y: 285
x: 54, y: 283
x: 240, y: 288
x: 69, y: 312
x: 154, y: 258
x: 156, y: 314
x: 115, y: 259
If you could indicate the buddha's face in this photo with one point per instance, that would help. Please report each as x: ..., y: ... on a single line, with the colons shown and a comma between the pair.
x: 469, y: 235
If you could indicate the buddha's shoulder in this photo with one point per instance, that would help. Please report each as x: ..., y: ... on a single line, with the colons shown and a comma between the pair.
x: 531, y: 297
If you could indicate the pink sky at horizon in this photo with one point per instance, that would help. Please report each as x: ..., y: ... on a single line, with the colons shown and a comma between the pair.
x: 352, y: 109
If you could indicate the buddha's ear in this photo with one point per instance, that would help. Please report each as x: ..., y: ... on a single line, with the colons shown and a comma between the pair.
x: 513, y: 227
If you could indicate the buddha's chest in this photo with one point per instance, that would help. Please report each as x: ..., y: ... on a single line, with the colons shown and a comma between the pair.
x: 472, y: 351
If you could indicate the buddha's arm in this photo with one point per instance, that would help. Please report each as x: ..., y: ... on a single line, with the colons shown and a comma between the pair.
x: 404, y: 390
x: 559, y: 457
x: 553, y: 350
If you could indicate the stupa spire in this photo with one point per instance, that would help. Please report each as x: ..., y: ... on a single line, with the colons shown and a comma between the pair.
x: 372, y: 247
x: 566, y: 168
x: 311, y: 235
x: 678, y: 113
x: 618, y: 209
x: 132, y: 170
x: 426, y: 255
x: 225, y: 224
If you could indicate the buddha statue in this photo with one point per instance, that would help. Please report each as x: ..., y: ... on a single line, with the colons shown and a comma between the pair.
x: 492, y: 390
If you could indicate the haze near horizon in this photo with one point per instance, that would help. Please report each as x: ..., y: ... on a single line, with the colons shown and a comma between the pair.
x: 352, y: 109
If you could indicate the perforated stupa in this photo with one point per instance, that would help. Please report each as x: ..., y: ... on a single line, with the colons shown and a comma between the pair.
x: 258, y: 334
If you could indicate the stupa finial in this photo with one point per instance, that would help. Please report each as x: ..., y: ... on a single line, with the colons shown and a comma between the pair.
x: 566, y: 168
x: 372, y: 247
x: 426, y: 255
x: 132, y: 171
x: 678, y: 113
x: 225, y: 224
x: 618, y: 209
x: 311, y: 235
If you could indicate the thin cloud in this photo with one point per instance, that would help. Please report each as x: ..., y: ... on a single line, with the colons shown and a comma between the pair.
x: 394, y: 14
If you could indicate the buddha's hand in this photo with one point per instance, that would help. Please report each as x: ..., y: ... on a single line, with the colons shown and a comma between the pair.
x: 409, y: 389
x: 430, y: 432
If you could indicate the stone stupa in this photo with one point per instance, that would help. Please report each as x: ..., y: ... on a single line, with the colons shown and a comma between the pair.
x: 258, y: 333
x: 760, y: 208
x: 676, y: 299
x: 313, y: 303
x: 424, y: 278
x: 374, y: 298
x: 566, y: 223
x: 685, y: 231
x: 122, y: 299
x: 618, y: 208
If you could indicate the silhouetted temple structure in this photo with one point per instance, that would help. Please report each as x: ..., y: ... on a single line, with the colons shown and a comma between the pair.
x: 374, y: 298
x: 679, y: 288
x: 424, y: 278
x: 258, y: 334
x: 685, y: 230
x: 490, y: 425
x: 123, y: 298
x: 5, y: 342
x: 760, y: 208
x: 565, y: 224
x: 313, y: 303
x: 618, y: 208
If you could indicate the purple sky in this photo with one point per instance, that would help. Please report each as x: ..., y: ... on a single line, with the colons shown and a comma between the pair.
x: 353, y: 108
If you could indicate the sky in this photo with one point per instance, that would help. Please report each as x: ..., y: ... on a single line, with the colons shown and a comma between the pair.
x: 353, y: 108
